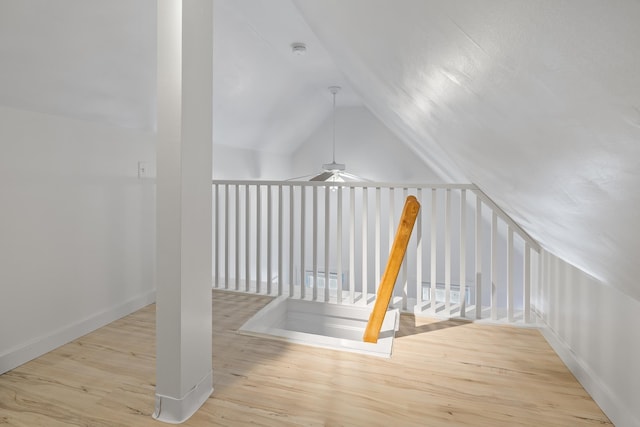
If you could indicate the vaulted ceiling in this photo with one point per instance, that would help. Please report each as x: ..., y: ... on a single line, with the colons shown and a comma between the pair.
x: 538, y: 103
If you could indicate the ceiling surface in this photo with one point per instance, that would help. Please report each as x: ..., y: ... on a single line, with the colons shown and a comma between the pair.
x: 538, y: 103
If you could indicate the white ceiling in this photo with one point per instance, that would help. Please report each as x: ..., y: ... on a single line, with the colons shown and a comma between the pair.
x: 536, y: 102
x: 266, y: 98
x: 92, y: 60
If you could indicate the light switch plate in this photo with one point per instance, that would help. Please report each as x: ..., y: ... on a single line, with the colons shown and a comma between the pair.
x: 143, y: 169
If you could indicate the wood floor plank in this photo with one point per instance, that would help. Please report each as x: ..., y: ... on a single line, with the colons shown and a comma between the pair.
x: 442, y: 373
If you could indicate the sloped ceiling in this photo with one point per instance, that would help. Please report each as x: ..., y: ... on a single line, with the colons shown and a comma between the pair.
x: 537, y: 102
x: 266, y: 98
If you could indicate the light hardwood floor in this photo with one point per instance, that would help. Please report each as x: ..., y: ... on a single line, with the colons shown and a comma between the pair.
x: 442, y: 373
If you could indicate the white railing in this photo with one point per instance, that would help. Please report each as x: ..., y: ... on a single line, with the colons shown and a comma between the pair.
x: 329, y: 242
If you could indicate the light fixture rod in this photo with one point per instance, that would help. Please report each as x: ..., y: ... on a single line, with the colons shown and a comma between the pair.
x: 334, y: 90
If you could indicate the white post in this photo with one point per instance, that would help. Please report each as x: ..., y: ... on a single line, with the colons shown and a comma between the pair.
x: 184, y: 375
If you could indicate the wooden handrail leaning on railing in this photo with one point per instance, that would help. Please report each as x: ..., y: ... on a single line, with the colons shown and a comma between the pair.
x: 396, y: 256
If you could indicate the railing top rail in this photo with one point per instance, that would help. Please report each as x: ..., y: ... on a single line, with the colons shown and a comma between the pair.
x: 506, y: 218
x: 347, y: 184
x: 486, y: 199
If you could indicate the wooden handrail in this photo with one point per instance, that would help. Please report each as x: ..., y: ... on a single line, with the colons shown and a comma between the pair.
x: 388, y: 281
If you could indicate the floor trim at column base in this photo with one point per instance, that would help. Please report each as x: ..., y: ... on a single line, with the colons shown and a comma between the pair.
x: 175, y: 411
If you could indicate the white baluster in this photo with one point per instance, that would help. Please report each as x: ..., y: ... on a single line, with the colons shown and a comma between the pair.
x: 494, y: 266
x: 478, y: 258
x: 352, y: 244
x: 237, y: 238
x: 447, y: 252
x: 463, y: 253
x: 327, y: 240
x: 434, y: 248
x: 419, y: 254
x: 269, y: 238
x: 280, y: 238
x: 365, y: 226
x: 510, y: 274
x: 314, y: 243
x: 339, y: 246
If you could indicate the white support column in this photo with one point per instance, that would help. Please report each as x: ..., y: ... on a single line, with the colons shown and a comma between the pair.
x: 184, y: 254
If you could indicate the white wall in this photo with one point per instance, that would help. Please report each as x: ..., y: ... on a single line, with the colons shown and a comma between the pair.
x: 366, y: 146
x: 77, y: 227
x: 240, y: 163
x: 594, y: 329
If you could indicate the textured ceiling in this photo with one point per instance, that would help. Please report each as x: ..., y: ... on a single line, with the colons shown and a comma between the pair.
x: 538, y: 103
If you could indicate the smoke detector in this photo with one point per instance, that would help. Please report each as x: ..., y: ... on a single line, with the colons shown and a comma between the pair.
x: 299, y: 49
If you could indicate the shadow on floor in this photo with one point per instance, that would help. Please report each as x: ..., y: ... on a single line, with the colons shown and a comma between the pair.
x: 408, y: 325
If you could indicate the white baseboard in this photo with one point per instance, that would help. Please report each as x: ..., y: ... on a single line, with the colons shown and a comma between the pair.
x: 619, y: 415
x: 16, y: 356
x: 174, y: 410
